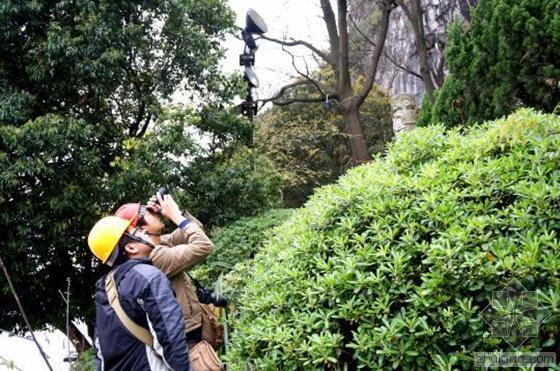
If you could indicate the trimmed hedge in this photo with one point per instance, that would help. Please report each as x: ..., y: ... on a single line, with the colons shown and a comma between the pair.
x: 238, y: 242
x: 392, y: 266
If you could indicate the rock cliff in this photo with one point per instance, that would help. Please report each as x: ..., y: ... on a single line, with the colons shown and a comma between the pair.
x: 399, y: 70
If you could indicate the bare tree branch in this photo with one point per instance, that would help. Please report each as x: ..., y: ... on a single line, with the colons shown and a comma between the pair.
x: 306, y: 76
x: 283, y: 90
x: 400, y: 66
x: 303, y: 100
x: 308, y: 45
x: 380, y: 36
x: 362, y: 33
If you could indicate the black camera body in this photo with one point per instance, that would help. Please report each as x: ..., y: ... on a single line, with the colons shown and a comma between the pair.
x: 162, y: 191
x: 206, y: 296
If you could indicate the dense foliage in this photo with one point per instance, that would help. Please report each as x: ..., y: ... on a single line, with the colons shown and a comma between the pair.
x: 393, y: 265
x: 50, y: 193
x: 243, y: 184
x: 107, y: 60
x: 507, y: 58
x: 218, y: 183
x: 308, y: 145
x: 239, y: 242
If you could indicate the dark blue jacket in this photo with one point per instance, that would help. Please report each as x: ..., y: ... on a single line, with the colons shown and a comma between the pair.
x: 147, y: 298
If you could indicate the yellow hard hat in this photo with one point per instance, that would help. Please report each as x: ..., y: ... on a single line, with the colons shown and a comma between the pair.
x: 105, y: 235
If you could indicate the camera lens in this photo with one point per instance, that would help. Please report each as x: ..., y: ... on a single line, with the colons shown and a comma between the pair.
x: 219, y: 300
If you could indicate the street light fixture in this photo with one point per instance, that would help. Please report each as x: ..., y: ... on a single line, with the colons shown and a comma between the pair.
x: 251, y: 77
x: 254, y: 25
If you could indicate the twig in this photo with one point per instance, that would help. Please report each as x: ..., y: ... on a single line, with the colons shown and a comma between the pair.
x: 10, y: 363
x: 396, y: 64
x: 362, y: 33
x: 305, y: 75
x: 283, y: 90
x: 23, y: 313
x: 300, y: 43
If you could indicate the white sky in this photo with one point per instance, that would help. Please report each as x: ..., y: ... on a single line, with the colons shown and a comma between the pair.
x: 23, y: 354
x: 300, y: 19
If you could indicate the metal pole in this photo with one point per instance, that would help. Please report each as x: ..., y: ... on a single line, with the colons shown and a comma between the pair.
x: 68, y: 318
x: 23, y: 313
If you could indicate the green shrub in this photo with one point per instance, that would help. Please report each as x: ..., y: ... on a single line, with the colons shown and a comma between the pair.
x: 238, y: 242
x: 86, y: 361
x: 393, y: 265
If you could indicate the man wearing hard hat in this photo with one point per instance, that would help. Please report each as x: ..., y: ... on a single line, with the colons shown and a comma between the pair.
x: 139, y: 324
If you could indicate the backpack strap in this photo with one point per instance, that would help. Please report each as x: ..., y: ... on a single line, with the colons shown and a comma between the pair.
x: 113, y: 295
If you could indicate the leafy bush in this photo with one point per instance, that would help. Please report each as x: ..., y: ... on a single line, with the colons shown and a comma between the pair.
x: 508, y: 57
x: 393, y: 265
x: 238, y: 242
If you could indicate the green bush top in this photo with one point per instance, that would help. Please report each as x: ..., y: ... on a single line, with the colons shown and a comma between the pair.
x: 393, y: 265
x: 238, y: 242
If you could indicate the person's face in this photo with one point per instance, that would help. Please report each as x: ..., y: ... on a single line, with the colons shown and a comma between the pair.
x: 150, y: 222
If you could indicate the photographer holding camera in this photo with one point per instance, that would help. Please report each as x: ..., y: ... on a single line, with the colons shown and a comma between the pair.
x: 173, y: 254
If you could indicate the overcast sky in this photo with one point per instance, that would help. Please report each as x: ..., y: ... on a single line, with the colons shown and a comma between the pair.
x: 299, y: 19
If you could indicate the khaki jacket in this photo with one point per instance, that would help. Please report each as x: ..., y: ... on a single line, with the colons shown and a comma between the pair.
x: 177, y: 252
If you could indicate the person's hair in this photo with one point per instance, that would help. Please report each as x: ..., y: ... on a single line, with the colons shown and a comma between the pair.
x: 124, y: 240
x: 121, y: 251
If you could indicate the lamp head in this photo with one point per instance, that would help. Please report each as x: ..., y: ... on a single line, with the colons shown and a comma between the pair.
x: 251, y: 77
x: 254, y: 23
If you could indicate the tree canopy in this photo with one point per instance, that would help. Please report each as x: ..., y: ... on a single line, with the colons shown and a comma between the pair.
x: 111, y: 61
x: 85, y: 125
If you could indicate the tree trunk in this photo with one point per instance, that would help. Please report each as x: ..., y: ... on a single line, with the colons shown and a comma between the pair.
x: 416, y: 19
x: 353, y: 128
x: 420, y: 36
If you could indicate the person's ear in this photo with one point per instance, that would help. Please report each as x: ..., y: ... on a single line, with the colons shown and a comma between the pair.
x: 131, y: 248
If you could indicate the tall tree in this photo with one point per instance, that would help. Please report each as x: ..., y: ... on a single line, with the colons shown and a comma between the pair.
x: 76, y: 79
x: 413, y: 11
x: 108, y: 60
x: 337, y: 59
x: 305, y: 142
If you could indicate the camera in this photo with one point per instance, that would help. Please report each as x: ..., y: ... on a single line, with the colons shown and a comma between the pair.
x: 162, y: 191
x: 206, y: 296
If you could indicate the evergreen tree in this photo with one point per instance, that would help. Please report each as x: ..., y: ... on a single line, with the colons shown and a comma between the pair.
x: 507, y: 58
